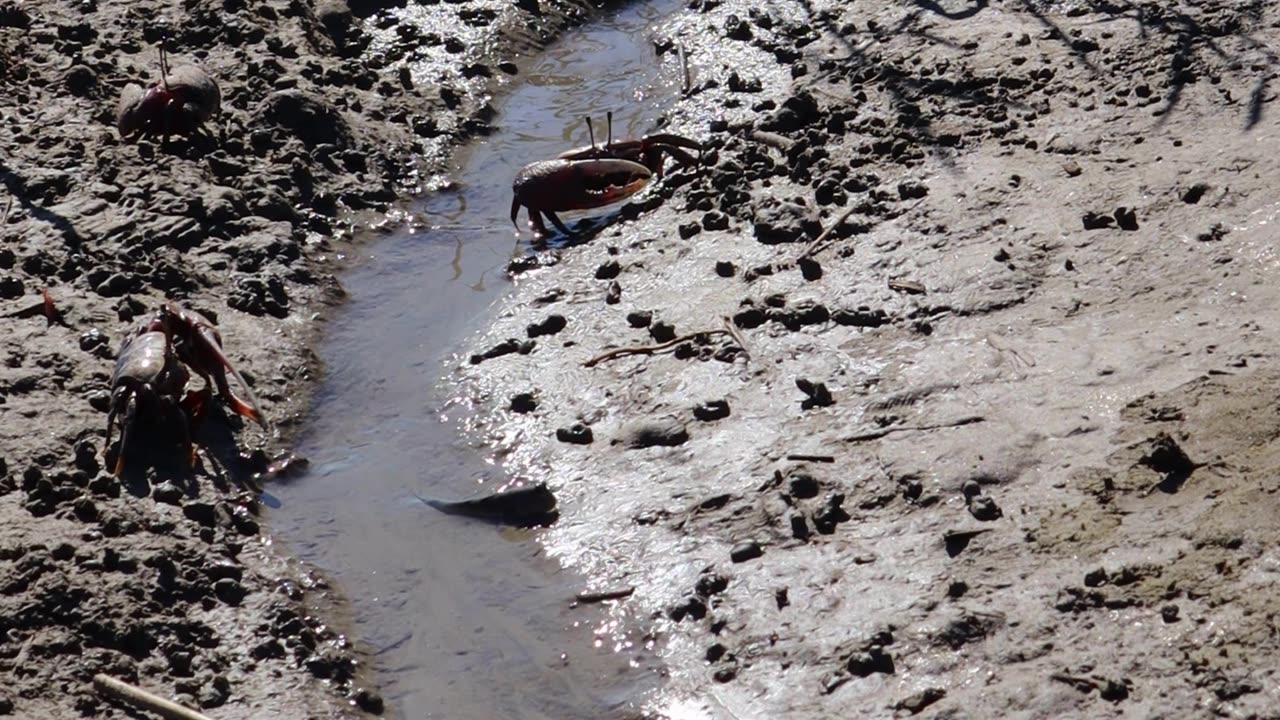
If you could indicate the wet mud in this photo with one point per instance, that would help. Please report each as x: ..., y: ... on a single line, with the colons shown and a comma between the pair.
x: 167, y: 577
x: 944, y: 388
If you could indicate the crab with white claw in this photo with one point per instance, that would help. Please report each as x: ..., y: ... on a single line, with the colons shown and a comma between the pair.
x: 147, y: 378
x: 595, y: 175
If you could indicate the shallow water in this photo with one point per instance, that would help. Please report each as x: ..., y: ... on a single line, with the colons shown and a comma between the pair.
x: 470, y: 620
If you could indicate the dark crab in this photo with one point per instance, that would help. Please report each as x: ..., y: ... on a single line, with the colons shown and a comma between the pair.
x: 594, y: 176
x: 149, y: 379
x: 176, y: 104
x: 199, y: 344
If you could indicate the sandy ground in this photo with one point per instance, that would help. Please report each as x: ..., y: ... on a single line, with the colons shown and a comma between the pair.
x: 165, y: 577
x: 1004, y: 446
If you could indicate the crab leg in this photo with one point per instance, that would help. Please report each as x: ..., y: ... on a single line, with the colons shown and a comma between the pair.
x: 559, y: 225
x: 130, y: 415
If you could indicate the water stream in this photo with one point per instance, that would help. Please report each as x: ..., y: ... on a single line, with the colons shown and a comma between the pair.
x: 471, y: 621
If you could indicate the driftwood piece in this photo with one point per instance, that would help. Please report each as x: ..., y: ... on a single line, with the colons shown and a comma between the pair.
x: 139, y: 698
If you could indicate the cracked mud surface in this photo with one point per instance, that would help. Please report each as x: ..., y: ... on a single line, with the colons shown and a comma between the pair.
x: 162, y: 577
x: 1002, y: 445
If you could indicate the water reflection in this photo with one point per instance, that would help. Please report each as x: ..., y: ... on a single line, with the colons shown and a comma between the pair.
x: 468, y: 622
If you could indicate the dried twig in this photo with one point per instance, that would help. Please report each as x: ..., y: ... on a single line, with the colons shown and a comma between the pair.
x: 603, y: 595
x: 140, y: 698
x: 877, y: 434
x: 797, y: 457
x: 651, y: 349
x: 819, y: 243
x: 737, y: 336
x: 687, y: 83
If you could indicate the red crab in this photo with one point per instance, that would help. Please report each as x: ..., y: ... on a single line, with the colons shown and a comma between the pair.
x: 594, y: 176
x: 177, y: 104
x: 199, y: 344
x: 147, y: 377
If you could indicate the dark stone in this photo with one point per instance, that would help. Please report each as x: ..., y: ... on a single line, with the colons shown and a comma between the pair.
x: 725, y: 269
x: 201, y: 512
x: 1169, y: 613
x: 688, y: 230
x: 817, y: 394
x: 1126, y: 218
x: 692, y: 607
x: 984, y: 508
x: 911, y: 189
x: 80, y: 80
x: 532, y: 505
x: 711, y: 410
x: 523, y: 403
x: 229, y: 591
x: 576, y: 434
x: 915, y: 704
x: 608, y: 270
x: 662, y: 331
x: 369, y: 700
x: 810, y: 269
x: 640, y: 318
x: 742, y: 552
x: 1095, y: 221
x: 803, y: 485
x: 167, y: 493
x: 957, y: 589
x: 549, y: 326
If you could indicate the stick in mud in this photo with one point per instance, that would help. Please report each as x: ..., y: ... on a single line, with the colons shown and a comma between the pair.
x: 877, y: 434
x: 687, y: 83
x: 819, y: 243
x: 604, y: 595
x: 652, y: 349
x: 140, y: 698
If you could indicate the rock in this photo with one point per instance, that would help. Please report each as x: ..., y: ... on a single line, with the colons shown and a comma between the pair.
x: 551, y: 325
x: 608, y: 270
x: 802, y: 485
x: 667, y: 432
x: 369, y: 701
x: 229, y: 591
x: 916, y: 703
x: 201, y: 512
x: 523, y: 403
x: 711, y: 410
x: 725, y: 269
x: 662, y: 332
x: 742, y: 552
x: 576, y: 434
x: 817, y: 394
x: 167, y: 493
x: 1126, y: 218
x: 527, y: 506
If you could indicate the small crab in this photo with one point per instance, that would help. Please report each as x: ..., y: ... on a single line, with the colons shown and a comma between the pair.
x: 593, y: 176
x: 176, y: 104
x: 148, y: 378
x: 199, y: 344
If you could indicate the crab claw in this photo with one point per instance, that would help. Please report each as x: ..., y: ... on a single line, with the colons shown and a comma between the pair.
x: 578, y: 184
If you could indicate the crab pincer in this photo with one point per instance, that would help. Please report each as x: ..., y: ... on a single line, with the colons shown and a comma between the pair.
x: 199, y: 345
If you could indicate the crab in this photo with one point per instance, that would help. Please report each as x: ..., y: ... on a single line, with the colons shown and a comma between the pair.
x: 199, y: 344
x: 148, y: 378
x: 177, y: 104
x: 594, y: 176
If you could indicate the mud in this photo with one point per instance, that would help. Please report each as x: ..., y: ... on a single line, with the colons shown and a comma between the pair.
x: 972, y: 414
x: 166, y: 577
